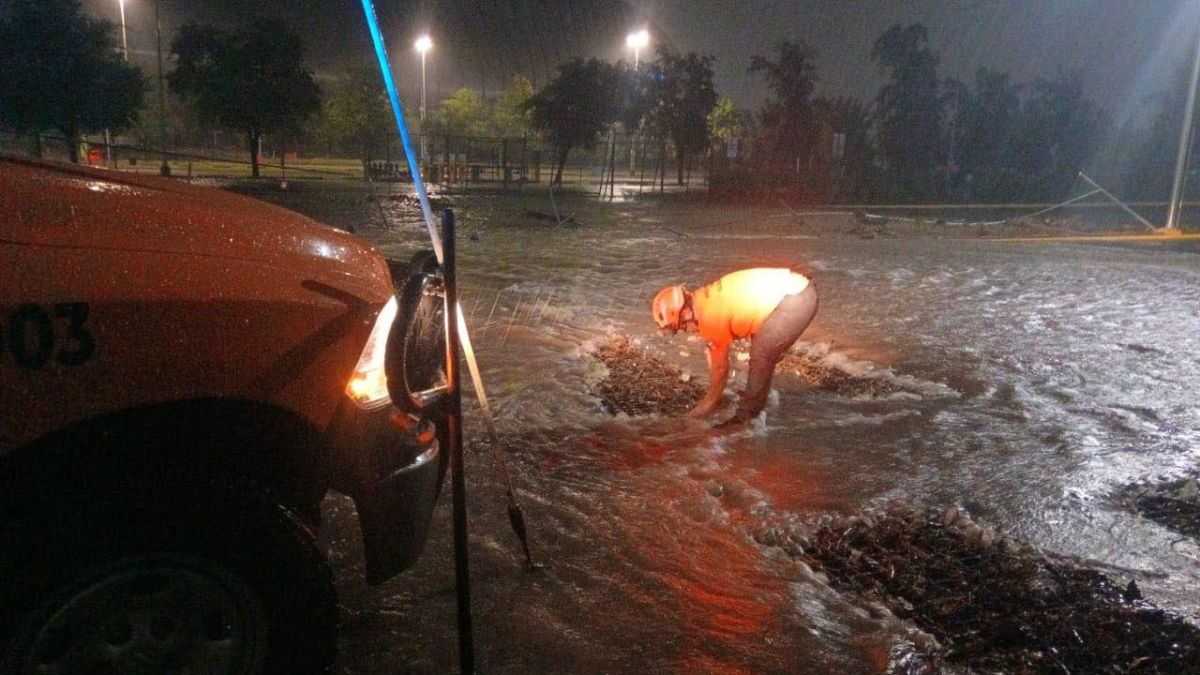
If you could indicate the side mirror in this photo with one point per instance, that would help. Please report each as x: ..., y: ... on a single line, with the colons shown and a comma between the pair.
x: 415, y: 361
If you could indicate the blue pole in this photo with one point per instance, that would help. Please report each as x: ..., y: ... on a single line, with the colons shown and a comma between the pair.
x: 413, y: 167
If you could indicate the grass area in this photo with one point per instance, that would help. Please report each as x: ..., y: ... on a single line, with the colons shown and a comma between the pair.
x: 208, y: 168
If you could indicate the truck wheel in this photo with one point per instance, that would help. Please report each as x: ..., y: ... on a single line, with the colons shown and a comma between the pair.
x: 219, y: 580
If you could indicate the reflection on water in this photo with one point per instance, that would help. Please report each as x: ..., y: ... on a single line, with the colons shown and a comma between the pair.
x: 1037, y: 379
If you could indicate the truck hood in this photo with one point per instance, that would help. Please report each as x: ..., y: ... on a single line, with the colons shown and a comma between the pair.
x: 47, y: 204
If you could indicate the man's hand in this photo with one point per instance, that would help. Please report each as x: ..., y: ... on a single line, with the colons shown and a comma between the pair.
x: 718, y: 375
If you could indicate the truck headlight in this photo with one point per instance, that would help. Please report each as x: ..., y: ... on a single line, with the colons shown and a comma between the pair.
x: 368, y: 384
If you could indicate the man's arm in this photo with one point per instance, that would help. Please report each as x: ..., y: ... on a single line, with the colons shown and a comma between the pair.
x: 718, y: 375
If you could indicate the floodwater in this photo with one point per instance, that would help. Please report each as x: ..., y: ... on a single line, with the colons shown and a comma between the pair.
x: 1035, y: 379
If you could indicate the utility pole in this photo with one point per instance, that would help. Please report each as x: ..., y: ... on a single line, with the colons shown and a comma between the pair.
x: 422, y: 45
x: 108, y: 153
x: 164, y: 169
x: 124, y: 38
x: 1185, y: 146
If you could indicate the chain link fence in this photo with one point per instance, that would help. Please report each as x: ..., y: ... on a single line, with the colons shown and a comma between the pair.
x: 625, y: 163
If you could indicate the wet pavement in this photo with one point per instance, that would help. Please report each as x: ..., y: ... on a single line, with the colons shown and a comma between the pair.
x: 1030, y: 382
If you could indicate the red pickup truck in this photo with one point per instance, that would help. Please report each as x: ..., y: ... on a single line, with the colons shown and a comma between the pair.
x: 184, y: 374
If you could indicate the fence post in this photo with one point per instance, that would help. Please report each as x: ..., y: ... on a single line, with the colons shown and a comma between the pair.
x: 505, y: 173
x: 445, y: 160
x: 708, y: 168
x: 642, y: 173
x: 603, y: 167
x: 662, y: 166
x: 612, y: 166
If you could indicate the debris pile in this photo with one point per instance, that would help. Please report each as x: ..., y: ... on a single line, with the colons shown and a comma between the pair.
x: 1174, y: 504
x: 822, y: 376
x: 638, y: 384
x: 998, y: 606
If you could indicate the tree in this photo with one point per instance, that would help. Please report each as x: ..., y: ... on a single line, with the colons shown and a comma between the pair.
x: 985, y: 128
x: 358, y: 115
x: 576, y: 106
x: 909, y: 112
x: 462, y: 114
x: 512, y: 115
x: 174, y: 124
x: 61, y: 70
x: 681, y: 96
x: 787, y: 117
x: 728, y: 120
x: 633, y: 93
x: 250, y: 81
x: 1060, y: 127
x: 847, y: 121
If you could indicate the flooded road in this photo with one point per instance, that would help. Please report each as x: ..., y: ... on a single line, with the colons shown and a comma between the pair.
x: 1034, y: 379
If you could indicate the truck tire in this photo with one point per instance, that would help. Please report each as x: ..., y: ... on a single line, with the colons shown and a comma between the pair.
x: 214, y: 579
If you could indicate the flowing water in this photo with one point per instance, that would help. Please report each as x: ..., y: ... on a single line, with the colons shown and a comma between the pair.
x: 1034, y: 380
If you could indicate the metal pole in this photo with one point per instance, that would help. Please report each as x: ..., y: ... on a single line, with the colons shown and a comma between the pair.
x: 165, y: 169
x: 632, y: 142
x: 124, y: 39
x: 108, y: 155
x: 1118, y: 202
x: 462, y: 572
x: 423, y: 132
x: 1185, y: 146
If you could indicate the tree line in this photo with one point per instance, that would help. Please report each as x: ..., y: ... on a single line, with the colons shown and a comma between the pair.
x: 921, y: 138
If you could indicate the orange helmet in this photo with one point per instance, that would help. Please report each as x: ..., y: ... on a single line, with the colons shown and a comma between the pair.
x: 667, y: 306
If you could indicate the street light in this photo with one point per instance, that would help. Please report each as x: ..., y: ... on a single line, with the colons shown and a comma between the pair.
x: 108, y: 153
x: 1185, y: 148
x: 636, y: 41
x: 423, y: 44
x: 124, y: 39
x: 164, y: 169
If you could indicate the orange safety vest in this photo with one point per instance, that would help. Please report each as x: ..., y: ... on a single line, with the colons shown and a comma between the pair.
x: 736, y: 305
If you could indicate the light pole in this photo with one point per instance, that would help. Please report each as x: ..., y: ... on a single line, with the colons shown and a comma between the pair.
x: 1185, y: 147
x: 636, y: 41
x: 124, y: 39
x: 164, y: 169
x: 108, y: 153
x: 423, y: 45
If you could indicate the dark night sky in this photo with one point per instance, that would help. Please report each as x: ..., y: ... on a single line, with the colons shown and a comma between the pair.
x: 1125, y: 48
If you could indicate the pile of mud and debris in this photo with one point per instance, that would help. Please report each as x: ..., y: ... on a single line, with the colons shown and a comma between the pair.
x: 990, y: 604
x: 640, y: 384
x: 995, y: 605
x: 1173, y: 504
x: 821, y: 376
